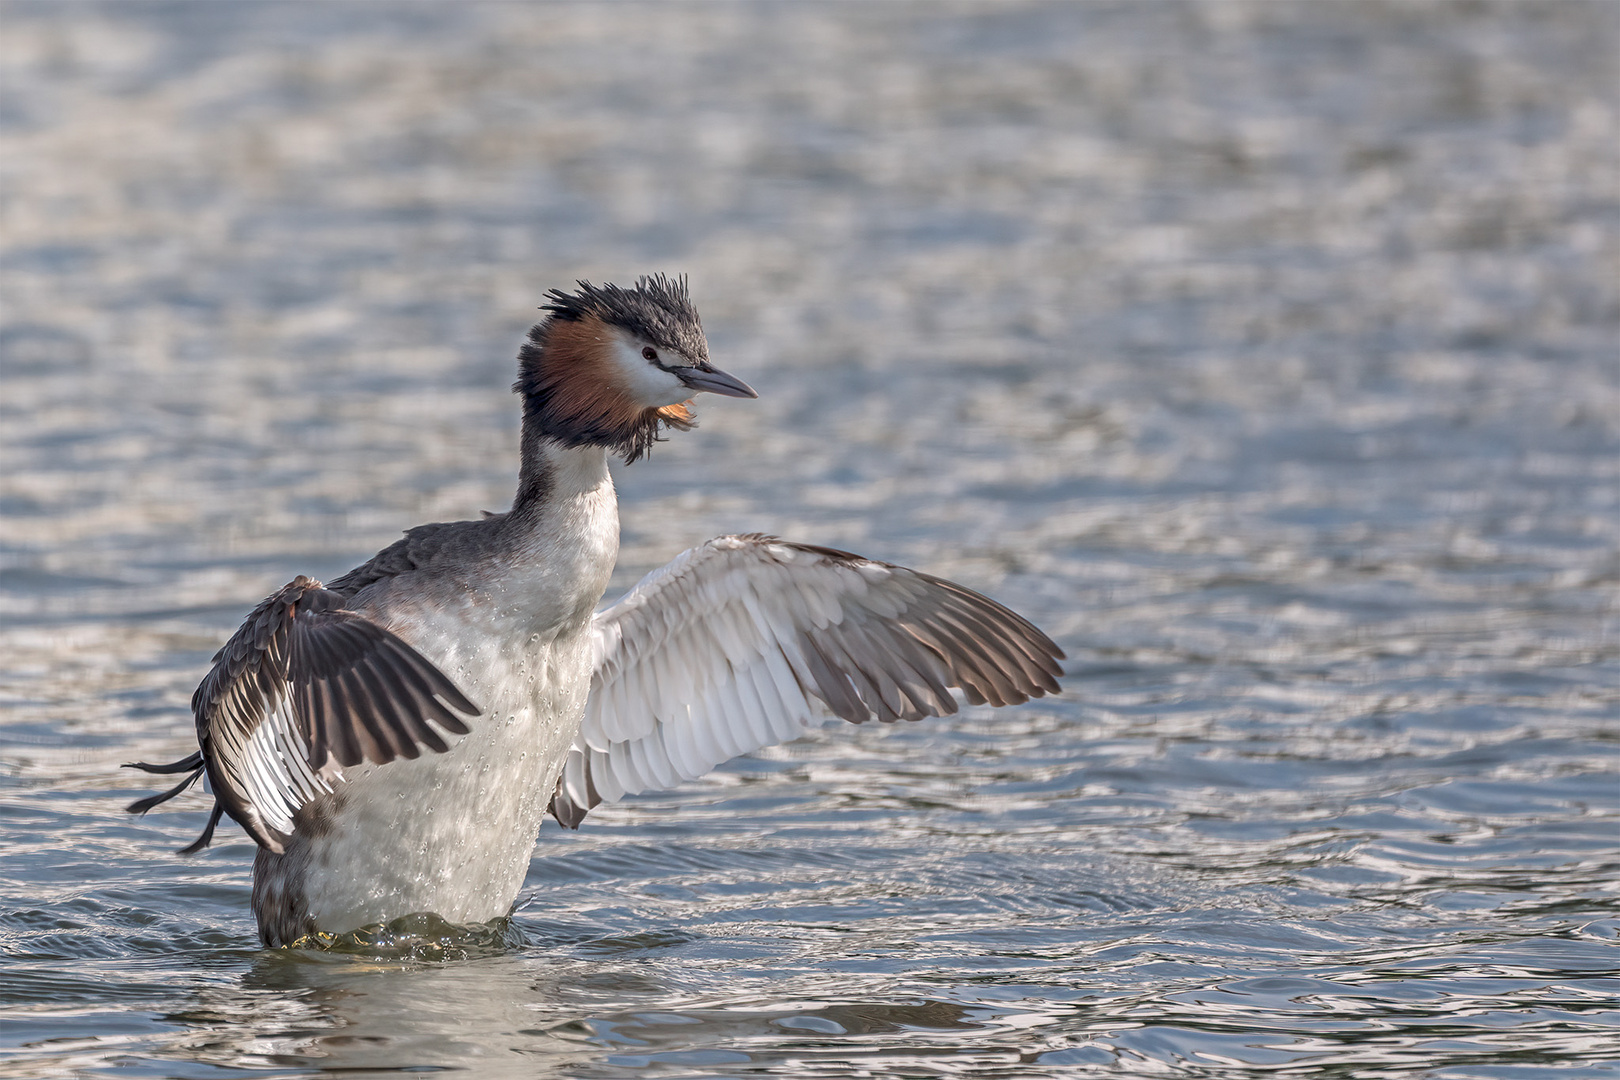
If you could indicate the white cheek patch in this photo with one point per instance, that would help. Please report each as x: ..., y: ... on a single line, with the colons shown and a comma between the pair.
x: 647, y: 383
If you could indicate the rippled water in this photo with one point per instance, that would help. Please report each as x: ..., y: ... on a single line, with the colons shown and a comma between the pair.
x: 1263, y: 354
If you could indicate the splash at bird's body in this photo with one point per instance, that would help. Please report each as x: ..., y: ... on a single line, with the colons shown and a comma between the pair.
x: 393, y: 739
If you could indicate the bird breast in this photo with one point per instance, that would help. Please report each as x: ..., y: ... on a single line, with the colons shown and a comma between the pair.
x: 453, y: 833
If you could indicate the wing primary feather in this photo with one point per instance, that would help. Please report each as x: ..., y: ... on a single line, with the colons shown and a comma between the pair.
x: 914, y: 671
x: 360, y: 714
x: 961, y: 669
x: 416, y: 729
x: 1001, y: 668
x: 440, y: 686
x: 405, y: 729
x: 408, y: 688
x: 254, y: 770
x: 295, y: 759
x: 420, y: 678
x: 1014, y: 669
x: 566, y: 809
x: 191, y: 761
x: 271, y: 687
x: 340, y: 733
x: 1003, y: 627
x: 207, y: 836
x: 326, y: 644
x: 571, y: 781
x: 394, y: 727
x: 141, y: 806
x: 956, y: 644
x: 881, y: 669
x: 1040, y: 648
x: 1032, y: 651
x: 308, y: 710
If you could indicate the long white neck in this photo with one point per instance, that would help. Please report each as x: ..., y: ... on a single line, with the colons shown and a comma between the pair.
x: 561, y: 538
x: 550, y: 470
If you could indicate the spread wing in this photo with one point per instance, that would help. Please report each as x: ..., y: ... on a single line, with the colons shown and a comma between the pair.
x: 748, y: 641
x: 303, y: 688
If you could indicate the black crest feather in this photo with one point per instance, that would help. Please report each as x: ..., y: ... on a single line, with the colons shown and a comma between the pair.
x: 659, y: 309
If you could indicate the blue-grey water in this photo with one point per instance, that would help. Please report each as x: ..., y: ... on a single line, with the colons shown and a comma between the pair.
x: 1264, y: 354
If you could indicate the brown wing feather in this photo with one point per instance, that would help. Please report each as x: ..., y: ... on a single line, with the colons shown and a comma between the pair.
x: 351, y: 690
x: 899, y: 641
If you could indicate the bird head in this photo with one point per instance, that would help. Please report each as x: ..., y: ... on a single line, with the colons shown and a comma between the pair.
x: 612, y: 367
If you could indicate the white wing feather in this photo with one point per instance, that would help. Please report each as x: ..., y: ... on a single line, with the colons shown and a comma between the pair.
x: 749, y: 641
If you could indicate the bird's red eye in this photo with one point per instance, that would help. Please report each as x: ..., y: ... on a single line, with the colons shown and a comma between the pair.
x: 649, y: 353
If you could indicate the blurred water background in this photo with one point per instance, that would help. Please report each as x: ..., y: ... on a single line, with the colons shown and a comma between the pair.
x: 1264, y: 354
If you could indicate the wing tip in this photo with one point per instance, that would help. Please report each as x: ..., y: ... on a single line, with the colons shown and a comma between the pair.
x: 207, y: 836
x: 142, y: 805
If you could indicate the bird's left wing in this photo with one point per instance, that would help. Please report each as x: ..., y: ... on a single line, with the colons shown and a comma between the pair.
x: 748, y: 641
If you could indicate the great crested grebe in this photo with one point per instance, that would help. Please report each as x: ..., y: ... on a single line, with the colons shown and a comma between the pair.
x: 393, y: 739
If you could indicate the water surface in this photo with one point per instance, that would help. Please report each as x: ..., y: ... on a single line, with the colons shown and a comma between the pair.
x: 1265, y: 355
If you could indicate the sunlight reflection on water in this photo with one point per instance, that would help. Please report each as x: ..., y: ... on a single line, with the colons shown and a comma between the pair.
x: 1264, y: 354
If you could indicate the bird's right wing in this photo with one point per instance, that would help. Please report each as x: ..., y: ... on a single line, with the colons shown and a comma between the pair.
x: 305, y: 687
x: 748, y: 641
